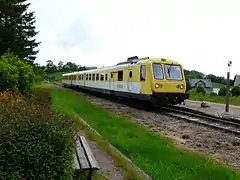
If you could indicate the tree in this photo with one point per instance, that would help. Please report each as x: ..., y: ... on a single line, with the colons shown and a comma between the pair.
x: 200, y: 89
x: 60, y: 66
x: 222, y: 91
x: 236, y: 91
x: 51, y: 67
x: 16, y: 75
x: 17, y: 30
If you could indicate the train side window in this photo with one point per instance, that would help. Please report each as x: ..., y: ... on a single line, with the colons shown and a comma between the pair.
x: 97, y: 77
x: 87, y: 77
x: 106, y: 78
x: 130, y: 74
x: 143, y: 73
x: 90, y: 77
x: 93, y: 77
x: 102, y: 77
x: 120, y: 75
x: 111, y: 75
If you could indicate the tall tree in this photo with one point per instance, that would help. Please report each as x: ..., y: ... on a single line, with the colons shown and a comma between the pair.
x: 17, y: 30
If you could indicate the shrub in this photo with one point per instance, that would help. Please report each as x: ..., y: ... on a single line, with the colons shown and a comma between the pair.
x: 36, y: 142
x: 200, y: 89
x: 236, y: 91
x: 16, y: 75
x: 213, y: 94
x: 222, y: 91
x: 188, y: 85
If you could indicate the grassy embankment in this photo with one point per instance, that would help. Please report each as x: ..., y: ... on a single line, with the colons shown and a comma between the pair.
x: 213, y: 98
x: 151, y: 152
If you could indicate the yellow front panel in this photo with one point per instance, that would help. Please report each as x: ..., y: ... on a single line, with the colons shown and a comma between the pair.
x: 169, y: 86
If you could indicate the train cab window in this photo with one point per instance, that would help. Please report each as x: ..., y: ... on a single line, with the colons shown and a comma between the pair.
x: 102, y: 77
x: 120, y: 75
x: 106, y: 77
x: 93, y: 77
x: 143, y: 72
x: 157, y: 71
x: 97, y: 77
x: 130, y: 74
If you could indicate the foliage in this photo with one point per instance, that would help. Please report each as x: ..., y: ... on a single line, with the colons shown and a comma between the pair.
x: 213, y: 94
x: 36, y: 142
x: 235, y: 91
x: 150, y: 152
x: 16, y: 74
x: 222, y: 91
x: 200, y: 89
x: 213, y: 98
x: 188, y: 85
x: 17, y: 29
x: 199, y: 75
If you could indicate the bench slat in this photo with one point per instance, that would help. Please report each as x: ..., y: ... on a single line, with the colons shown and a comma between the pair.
x: 81, y: 156
x: 91, y: 158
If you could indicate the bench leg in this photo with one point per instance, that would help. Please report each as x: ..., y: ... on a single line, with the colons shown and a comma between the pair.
x: 90, y: 175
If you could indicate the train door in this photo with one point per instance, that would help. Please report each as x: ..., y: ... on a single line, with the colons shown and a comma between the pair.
x: 129, y: 81
x: 84, y: 79
x: 113, y: 81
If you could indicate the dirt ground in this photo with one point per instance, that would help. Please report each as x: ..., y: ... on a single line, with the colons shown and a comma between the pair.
x: 221, y: 146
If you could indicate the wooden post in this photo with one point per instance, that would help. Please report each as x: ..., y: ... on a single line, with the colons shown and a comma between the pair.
x: 227, y: 93
x: 227, y: 87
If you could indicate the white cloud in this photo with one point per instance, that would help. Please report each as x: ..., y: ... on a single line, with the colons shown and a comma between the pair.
x: 201, y: 34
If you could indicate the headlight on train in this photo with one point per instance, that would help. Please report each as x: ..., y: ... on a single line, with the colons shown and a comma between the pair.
x: 158, y: 85
x: 181, y: 86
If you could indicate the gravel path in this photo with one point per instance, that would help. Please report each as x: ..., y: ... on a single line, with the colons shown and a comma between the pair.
x: 222, y: 146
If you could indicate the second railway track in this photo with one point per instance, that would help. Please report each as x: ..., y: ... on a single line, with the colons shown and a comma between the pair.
x: 194, y: 116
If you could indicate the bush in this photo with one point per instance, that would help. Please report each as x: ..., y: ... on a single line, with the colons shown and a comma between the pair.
x: 222, y: 91
x: 188, y: 85
x: 235, y: 91
x: 16, y: 75
x: 36, y: 142
x: 200, y: 89
x: 213, y: 94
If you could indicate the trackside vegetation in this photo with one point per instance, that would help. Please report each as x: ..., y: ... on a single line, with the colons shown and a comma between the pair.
x: 36, y: 142
x: 152, y: 153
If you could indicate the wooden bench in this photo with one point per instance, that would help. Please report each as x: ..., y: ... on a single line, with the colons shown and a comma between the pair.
x: 83, y: 157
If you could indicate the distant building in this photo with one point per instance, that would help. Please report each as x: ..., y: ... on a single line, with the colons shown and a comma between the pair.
x: 236, y: 80
x: 205, y: 83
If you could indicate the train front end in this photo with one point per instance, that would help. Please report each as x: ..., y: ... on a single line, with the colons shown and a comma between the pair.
x: 168, y: 82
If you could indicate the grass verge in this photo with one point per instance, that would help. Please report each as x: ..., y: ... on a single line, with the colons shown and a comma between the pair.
x: 213, y: 98
x: 152, y: 153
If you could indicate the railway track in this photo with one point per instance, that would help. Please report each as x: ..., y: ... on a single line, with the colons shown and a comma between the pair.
x: 228, y: 125
x: 189, y: 115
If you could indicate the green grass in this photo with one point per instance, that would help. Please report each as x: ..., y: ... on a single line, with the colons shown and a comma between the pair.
x: 212, y: 98
x: 217, y: 85
x: 152, y: 153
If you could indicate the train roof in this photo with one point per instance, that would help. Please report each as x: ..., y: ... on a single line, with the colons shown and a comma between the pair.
x: 126, y: 64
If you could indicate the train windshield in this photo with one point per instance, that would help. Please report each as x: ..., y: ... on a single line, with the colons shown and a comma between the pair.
x: 173, y: 72
x: 157, y: 71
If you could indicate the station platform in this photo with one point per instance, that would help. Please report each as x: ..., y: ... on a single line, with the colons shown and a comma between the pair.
x: 214, y: 109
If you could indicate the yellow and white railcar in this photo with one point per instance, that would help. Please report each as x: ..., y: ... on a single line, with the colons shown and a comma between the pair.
x: 160, y: 81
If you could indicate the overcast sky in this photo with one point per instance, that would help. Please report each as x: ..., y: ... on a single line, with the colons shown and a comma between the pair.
x: 200, y: 34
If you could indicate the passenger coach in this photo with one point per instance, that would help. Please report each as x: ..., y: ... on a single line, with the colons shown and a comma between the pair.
x: 157, y: 80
